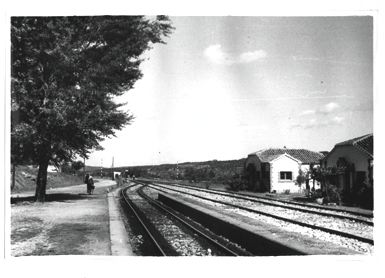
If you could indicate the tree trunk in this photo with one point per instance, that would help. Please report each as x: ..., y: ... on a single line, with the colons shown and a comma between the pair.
x: 13, y: 176
x: 41, y: 181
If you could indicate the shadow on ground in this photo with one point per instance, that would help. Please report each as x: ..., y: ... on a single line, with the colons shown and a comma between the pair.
x: 303, y: 199
x: 55, y: 197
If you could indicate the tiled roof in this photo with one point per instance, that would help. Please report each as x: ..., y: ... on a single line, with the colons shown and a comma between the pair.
x: 363, y: 143
x: 305, y: 156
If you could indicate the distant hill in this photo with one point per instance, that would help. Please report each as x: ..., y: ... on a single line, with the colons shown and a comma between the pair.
x: 92, y: 168
x: 213, y: 170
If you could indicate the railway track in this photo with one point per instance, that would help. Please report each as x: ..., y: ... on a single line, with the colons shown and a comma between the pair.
x: 366, y: 218
x: 152, y: 237
x: 170, y: 233
x: 348, y: 227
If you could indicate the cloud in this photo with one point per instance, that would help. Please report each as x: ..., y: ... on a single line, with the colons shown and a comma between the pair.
x: 216, y: 55
x: 328, y: 108
x: 324, y: 117
x: 323, y: 110
x: 313, y: 123
x: 307, y: 112
x: 337, y: 119
x: 248, y: 57
x: 306, y: 124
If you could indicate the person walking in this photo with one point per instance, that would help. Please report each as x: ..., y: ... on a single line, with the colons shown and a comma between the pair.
x: 86, y: 178
x: 90, y: 185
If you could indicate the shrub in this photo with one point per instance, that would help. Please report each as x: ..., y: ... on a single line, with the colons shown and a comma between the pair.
x: 365, y: 197
x: 333, y: 194
x: 236, y: 183
x: 301, y: 178
x: 316, y: 194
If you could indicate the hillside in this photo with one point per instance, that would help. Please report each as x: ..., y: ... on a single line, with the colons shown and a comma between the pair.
x: 213, y: 170
x: 25, y: 179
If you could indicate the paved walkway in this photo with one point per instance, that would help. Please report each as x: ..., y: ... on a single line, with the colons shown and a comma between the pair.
x: 118, y: 235
x: 70, y: 222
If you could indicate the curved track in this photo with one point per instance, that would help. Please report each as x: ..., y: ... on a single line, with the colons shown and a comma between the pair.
x: 148, y: 230
x: 216, y: 243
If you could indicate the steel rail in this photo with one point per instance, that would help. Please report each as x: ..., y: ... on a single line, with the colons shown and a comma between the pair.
x: 255, y: 199
x: 184, y: 222
x: 145, y: 227
x: 368, y: 215
x: 324, y: 229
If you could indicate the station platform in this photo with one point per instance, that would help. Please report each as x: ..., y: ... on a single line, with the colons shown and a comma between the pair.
x: 70, y: 222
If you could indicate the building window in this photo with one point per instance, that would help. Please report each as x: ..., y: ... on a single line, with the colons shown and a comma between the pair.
x: 285, y: 175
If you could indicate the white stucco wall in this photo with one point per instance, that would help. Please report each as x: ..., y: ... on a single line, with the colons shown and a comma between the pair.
x: 116, y: 173
x: 285, y: 164
x: 351, y: 154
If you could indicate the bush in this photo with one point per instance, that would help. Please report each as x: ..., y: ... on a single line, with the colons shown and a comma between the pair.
x: 198, y: 174
x: 316, y: 194
x: 333, y: 194
x: 365, y: 197
x: 237, y: 183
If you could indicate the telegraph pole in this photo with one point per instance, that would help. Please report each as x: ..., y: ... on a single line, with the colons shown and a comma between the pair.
x: 101, y: 168
x: 112, y: 169
x: 84, y: 167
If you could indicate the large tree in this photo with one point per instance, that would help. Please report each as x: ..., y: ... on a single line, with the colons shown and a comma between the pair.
x: 66, y: 72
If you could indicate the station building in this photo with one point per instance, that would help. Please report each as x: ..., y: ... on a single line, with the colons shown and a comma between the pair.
x: 351, y: 162
x: 276, y: 170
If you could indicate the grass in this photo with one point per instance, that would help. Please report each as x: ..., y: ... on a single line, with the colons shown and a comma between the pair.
x: 25, y: 179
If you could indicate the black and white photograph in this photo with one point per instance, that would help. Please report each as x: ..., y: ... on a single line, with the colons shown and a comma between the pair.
x: 148, y: 135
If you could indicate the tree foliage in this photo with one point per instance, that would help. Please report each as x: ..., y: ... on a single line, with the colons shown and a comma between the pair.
x: 77, y: 165
x: 72, y: 167
x: 301, y: 178
x: 66, y: 72
x: 198, y: 174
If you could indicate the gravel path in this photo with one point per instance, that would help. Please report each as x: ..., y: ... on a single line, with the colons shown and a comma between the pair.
x: 69, y: 223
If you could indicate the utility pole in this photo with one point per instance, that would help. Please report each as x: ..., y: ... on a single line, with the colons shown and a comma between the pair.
x: 112, y: 169
x: 101, y: 168
x: 84, y: 168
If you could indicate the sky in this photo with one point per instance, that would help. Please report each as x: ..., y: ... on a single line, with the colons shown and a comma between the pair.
x: 223, y: 87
